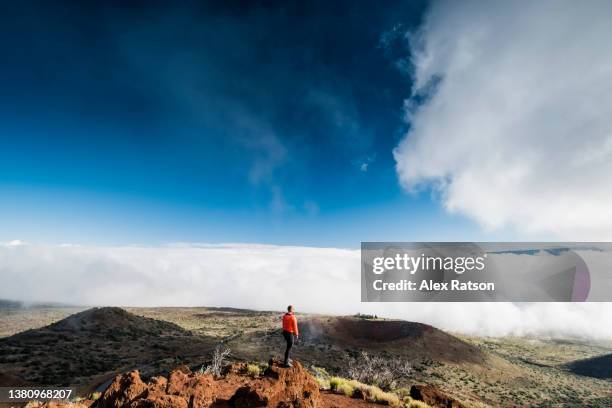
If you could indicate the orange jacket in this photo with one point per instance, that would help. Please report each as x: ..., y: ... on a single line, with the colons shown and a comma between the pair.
x: 290, y: 323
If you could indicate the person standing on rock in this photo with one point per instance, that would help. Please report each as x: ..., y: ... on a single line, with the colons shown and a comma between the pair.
x: 290, y: 332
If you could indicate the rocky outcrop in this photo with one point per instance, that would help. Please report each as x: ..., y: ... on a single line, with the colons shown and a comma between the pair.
x: 283, y: 387
x: 123, y: 390
x: 277, y: 387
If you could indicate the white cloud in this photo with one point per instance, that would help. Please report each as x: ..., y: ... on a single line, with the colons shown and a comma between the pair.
x: 15, y: 242
x: 325, y: 280
x: 516, y: 130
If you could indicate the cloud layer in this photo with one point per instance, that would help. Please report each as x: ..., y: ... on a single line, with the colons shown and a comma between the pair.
x: 324, y: 280
x: 510, y: 115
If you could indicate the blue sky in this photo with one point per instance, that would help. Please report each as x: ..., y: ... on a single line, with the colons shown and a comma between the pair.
x: 236, y: 122
x: 126, y: 125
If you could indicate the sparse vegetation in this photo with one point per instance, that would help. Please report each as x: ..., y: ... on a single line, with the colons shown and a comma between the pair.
x: 253, y: 369
x: 366, y: 316
x: 371, y: 393
x: 334, y: 382
x: 416, y: 404
x: 322, y: 376
x: 219, y: 361
x: 377, y: 370
x: 345, y: 389
x: 525, y: 372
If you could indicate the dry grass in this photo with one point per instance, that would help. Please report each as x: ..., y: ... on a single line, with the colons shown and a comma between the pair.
x: 416, y: 404
x: 371, y: 393
x: 253, y: 369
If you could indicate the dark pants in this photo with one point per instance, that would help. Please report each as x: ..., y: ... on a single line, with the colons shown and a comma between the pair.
x: 289, y: 339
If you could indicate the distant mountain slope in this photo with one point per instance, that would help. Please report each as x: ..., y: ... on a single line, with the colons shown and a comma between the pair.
x: 7, y: 304
x: 597, y: 367
x: 95, y: 341
x: 111, y: 321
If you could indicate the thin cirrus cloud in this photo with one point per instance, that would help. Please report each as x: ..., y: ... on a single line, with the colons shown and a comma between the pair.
x: 510, y: 115
x: 264, y: 277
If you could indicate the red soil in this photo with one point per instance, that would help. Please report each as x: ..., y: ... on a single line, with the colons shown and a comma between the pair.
x: 329, y: 400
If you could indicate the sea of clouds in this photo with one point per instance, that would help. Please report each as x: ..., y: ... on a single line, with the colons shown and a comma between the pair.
x: 264, y: 277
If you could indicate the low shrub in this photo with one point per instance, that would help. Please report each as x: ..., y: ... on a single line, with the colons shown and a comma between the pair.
x: 377, y: 370
x: 219, y: 361
x: 322, y: 377
x: 253, y: 369
x: 334, y: 382
x: 370, y: 393
x: 375, y: 394
x: 346, y: 389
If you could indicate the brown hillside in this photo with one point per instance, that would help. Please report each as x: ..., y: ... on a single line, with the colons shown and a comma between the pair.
x: 412, y: 340
x: 95, y: 342
x: 597, y: 367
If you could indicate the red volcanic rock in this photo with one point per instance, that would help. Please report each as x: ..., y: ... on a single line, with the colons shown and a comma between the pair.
x: 281, y: 387
x: 278, y: 387
x: 124, y: 389
x: 157, y: 385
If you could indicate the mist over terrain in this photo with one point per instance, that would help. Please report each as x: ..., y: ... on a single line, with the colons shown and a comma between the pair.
x: 264, y: 277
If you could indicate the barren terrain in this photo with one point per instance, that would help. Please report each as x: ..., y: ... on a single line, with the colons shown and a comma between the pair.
x: 88, y: 349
